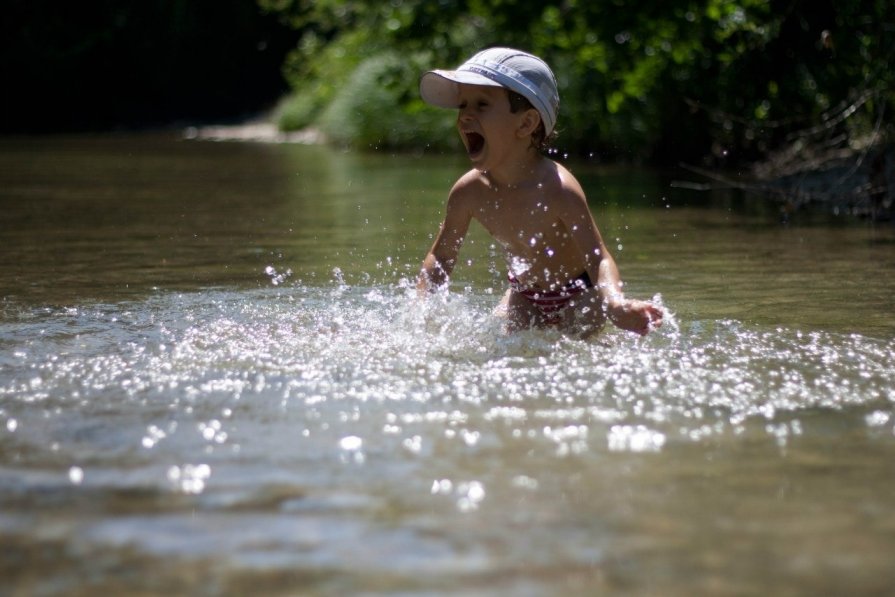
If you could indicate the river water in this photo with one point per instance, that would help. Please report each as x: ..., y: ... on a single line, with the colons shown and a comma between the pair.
x: 216, y: 379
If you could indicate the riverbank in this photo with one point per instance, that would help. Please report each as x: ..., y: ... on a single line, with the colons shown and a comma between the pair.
x: 255, y: 131
x: 860, y: 183
x: 845, y: 181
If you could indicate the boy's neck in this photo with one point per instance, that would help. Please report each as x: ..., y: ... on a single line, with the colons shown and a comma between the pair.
x: 517, y: 172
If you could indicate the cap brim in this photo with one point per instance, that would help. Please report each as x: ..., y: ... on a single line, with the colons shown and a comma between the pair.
x: 442, y: 87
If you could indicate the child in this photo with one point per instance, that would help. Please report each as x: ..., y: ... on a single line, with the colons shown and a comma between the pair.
x: 559, y: 269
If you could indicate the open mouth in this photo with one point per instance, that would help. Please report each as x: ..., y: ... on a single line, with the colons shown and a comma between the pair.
x: 474, y: 143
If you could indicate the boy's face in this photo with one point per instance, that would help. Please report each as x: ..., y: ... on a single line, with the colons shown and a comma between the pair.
x: 486, y: 124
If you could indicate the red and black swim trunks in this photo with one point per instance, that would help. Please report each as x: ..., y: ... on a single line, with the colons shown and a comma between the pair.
x: 550, y: 303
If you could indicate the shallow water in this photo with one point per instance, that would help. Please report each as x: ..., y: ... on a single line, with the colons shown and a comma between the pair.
x: 215, y: 379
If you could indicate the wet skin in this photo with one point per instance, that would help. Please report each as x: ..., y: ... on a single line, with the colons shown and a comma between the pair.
x: 537, y: 211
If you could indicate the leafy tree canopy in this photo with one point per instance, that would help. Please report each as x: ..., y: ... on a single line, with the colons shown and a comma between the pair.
x: 646, y: 79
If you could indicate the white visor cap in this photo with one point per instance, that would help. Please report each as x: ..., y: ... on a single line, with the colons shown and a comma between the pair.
x: 524, y: 73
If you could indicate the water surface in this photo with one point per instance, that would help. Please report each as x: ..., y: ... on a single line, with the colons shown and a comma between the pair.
x: 215, y: 378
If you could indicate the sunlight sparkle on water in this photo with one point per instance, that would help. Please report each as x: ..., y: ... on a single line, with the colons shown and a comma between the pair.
x: 376, y: 371
x: 76, y: 475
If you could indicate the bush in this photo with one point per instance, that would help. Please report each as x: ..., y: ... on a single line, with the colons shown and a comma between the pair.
x: 296, y: 111
x: 379, y: 107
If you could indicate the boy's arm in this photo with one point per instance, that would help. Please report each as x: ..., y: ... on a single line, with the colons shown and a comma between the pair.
x: 628, y: 314
x: 440, y: 261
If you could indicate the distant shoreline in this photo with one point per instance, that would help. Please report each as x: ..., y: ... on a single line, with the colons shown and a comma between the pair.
x: 256, y: 132
x: 850, y: 183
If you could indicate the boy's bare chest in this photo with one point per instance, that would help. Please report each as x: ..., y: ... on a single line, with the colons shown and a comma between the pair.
x: 520, y: 220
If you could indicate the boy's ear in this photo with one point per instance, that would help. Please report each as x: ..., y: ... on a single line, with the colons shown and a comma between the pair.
x: 530, y: 122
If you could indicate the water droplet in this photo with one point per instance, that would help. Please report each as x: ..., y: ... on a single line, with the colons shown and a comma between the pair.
x: 189, y: 478
x: 443, y: 486
x: 413, y: 444
x: 76, y: 475
x: 471, y: 495
x: 525, y: 482
x: 351, y: 443
x: 635, y: 438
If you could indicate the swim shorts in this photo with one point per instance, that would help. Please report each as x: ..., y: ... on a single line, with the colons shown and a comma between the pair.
x: 550, y: 303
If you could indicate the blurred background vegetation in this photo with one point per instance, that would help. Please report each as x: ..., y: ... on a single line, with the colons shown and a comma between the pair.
x: 718, y: 82
x: 657, y: 80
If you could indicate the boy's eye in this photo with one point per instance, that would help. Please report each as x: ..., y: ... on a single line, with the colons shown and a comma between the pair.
x: 479, y: 104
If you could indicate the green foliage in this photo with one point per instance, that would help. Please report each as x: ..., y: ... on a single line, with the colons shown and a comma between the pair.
x: 296, y: 111
x: 376, y: 108
x: 645, y: 79
x: 316, y: 71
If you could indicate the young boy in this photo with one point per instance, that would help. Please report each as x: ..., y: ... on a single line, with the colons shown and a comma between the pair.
x: 559, y: 269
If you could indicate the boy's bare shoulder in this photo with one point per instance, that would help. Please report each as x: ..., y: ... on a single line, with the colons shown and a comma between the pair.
x: 566, y: 192
x: 471, y: 182
x: 469, y: 188
x: 567, y: 182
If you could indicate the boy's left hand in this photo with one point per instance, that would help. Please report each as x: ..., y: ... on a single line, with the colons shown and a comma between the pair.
x: 635, y: 316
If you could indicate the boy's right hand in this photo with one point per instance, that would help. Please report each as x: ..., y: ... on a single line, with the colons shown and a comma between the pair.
x: 635, y: 316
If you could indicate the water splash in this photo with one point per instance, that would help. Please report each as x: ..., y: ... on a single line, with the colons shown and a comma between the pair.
x: 288, y: 411
x: 277, y: 278
x: 316, y: 356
